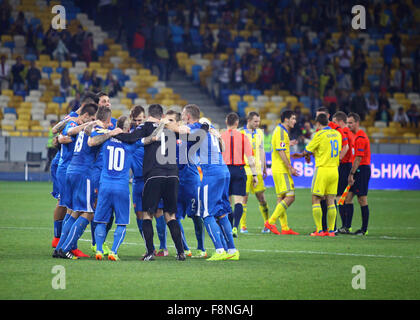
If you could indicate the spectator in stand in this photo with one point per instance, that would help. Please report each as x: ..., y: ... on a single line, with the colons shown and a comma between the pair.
x: 401, y: 78
x: 87, y: 48
x: 138, y: 44
x: 358, y: 105
x: 307, y: 132
x: 382, y: 99
x: 401, y: 117
x: 5, y: 14
x: 415, y: 78
x: 312, y: 80
x: 344, y: 58
x: 194, y: 18
x: 65, y: 83
x: 315, y: 103
x: 208, y: 40
x: 212, y: 10
x: 237, y: 76
x: 413, y: 115
x: 61, y: 52
x: 359, y: 66
x: 77, y: 44
x: 330, y: 101
x: 96, y: 82
x: 31, y: 47
x: 267, y: 75
x: 85, y: 82
x: 343, y: 80
x: 112, y: 86
x: 177, y: 32
x: 326, y: 81
x: 19, y: 27
x: 383, y: 115
x: 18, y: 83
x: 32, y: 77
x: 251, y: 76
x: 75, y: 103
x: 4, y: 73
x: 388, y: 53
x: 224, y: 78
x: 372, y: 103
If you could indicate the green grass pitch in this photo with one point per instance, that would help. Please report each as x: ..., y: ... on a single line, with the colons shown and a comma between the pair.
x: 271, y: 267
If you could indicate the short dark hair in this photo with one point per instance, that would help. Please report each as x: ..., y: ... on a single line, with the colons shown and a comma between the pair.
x: 322, y: 119
x: 354, y: 115
x: 176, y: 113
x: 103, y: 113
x: 286, y: 114
x: 323, y: 109
x: 252, y: 114
x: 340, y: 116
x: 88, y: 97
x: 90, y: 108
x: 136, y: 110
x: 99, y: 95
x: 193, y: 110
x: 120, y: 122
x: 155, y: 111
x: 231, y: 118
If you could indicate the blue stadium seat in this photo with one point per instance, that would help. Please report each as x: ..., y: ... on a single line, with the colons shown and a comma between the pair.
x: 9, y: 44
x: 196, y: 69
x: 373, y: 47
x: 306, y: 101
x: 240, y: 92
x: 30, y: 57
x: 48, y: 70
x: 59, y: 69
x: 255, y: 93
x: 241, y: 108
x: 9, y: 110
x: 152, y: 91
x: 224, y: 95
x: 21, y: 93
x: 58, y: 99
x: 132, y: 95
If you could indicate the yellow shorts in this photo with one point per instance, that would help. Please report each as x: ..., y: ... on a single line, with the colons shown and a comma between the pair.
x: 284, y: 184
x: 325, y: 181
x: 260, y: 185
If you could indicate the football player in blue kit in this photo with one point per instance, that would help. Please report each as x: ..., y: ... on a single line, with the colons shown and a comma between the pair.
x: 213, y: 199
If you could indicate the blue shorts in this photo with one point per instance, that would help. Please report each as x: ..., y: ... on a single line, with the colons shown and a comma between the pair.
x: 80, y: 188
x: 62, y: 186
x: 138, y: 184
x: 213, y: 193
x: 113, y: 199
x: 188, y: 197
x: 237, y: 186
x: 55, y: 192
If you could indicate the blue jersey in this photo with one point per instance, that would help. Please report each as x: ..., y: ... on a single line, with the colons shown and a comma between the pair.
x: 137, y: 163
x: 113, y: 125
x: 117, y: 159
x: 66, y: 152
x: 83, y: 155
x: 210, y: 154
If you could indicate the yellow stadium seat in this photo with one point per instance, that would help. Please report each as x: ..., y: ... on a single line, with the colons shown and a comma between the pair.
x: 7, y: 92
x: 14, y: 133
x: 290, y: 99
x: 399, y: 96
x: 94, y: 65
x: 8, y: 127
x: 283, y: 93
x: 248, y: 98
x: 44, y: 57
x: 269, y: 93
x: 166, y: 90
x: 6, y: 38
x: 26, y: 105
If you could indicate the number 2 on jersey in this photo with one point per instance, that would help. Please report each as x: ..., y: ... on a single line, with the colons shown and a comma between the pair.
x: 334, y: 148
x: 116, y: 158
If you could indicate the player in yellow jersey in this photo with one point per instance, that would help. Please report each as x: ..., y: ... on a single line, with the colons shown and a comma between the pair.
x: 256, y: 137
x: 326, y: 147
x: 282, y: 173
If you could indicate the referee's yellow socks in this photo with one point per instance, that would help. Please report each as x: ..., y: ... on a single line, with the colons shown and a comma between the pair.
x: 332, y: 215
x: 317, y: 213
x: 243, y: 218
x: 280, y: 213
x: 264, y: 211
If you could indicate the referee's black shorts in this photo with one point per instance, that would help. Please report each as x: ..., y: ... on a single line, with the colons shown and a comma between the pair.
x: 343, y: 177
x: 160, y: 187
x: 361, y: 181
x: 237, y: 185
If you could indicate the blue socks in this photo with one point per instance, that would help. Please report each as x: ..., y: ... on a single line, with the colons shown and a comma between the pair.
x: 119, y: 235
x: 214, y: 231
x: 100, y: 235
x: 140, y: 226
x: 58, y: 226
x: 237, y: 214
x: 161, y: 231
x: 67, y: 224
x: 226, y: 228
x: 75, y: 233
x: 92, y: 231
x: 184, y: 242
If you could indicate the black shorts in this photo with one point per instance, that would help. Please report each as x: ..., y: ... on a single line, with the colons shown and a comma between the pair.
x: 343, y: 177
x: 237, y: 185
x: 361, y: 181
x: 160, y: 187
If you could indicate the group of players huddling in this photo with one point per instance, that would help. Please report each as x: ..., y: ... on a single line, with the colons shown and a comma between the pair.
x: 178, y: 169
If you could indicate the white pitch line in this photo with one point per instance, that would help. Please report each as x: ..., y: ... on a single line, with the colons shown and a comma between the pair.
x: 254, y: 250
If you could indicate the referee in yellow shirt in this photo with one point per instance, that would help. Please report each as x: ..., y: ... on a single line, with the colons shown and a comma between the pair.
x: 256, y: 137
x: 282, y: 173
x: 326, y: 147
